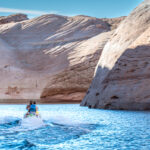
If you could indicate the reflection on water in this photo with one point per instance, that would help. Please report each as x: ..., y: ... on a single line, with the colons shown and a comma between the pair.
x: 71, y: 127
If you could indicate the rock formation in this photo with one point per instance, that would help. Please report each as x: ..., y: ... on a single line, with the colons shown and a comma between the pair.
x: 122, y: 76
x: 51, y: 57
x: 13, y: 18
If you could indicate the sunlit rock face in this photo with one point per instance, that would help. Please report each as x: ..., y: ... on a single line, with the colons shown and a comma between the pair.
x: 122, y: 76
x: 50, y: 57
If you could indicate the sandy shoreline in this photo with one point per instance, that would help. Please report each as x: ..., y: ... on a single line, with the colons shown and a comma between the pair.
x: 39, y: 101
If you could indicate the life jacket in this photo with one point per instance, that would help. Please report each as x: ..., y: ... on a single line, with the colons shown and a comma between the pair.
x: 33, y: 108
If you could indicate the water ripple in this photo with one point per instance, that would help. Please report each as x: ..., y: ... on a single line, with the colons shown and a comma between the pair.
x: 71, y: 127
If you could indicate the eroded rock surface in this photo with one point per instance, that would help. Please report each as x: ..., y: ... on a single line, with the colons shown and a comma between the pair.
x: 13, y: 18
x: 122, y: 76
x: 50, y: 57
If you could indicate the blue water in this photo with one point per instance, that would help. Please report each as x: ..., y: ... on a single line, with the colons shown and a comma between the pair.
x: 71, y: 127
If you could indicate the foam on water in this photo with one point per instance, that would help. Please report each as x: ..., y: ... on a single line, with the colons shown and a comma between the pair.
x: 32, y: 123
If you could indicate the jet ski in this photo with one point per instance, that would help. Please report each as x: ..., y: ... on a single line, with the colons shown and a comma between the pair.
x: 28, y: 115
x: 32, y: 121
x: 32, y: 111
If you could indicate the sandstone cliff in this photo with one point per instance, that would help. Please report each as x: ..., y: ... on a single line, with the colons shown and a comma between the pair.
x: 13, y: 18
x: 50, y: 57
x: 122, y: 76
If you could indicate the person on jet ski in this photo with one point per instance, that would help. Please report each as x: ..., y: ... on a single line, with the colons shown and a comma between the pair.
x: 28, y: 108
x: 33, y: 109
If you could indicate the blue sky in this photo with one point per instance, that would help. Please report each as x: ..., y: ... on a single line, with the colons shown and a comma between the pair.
x: 95, y: 8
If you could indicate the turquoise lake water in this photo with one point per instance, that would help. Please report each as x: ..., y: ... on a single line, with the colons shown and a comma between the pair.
x: 71, y: 127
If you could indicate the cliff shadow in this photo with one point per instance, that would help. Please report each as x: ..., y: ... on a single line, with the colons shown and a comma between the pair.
x: 125, y: 86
